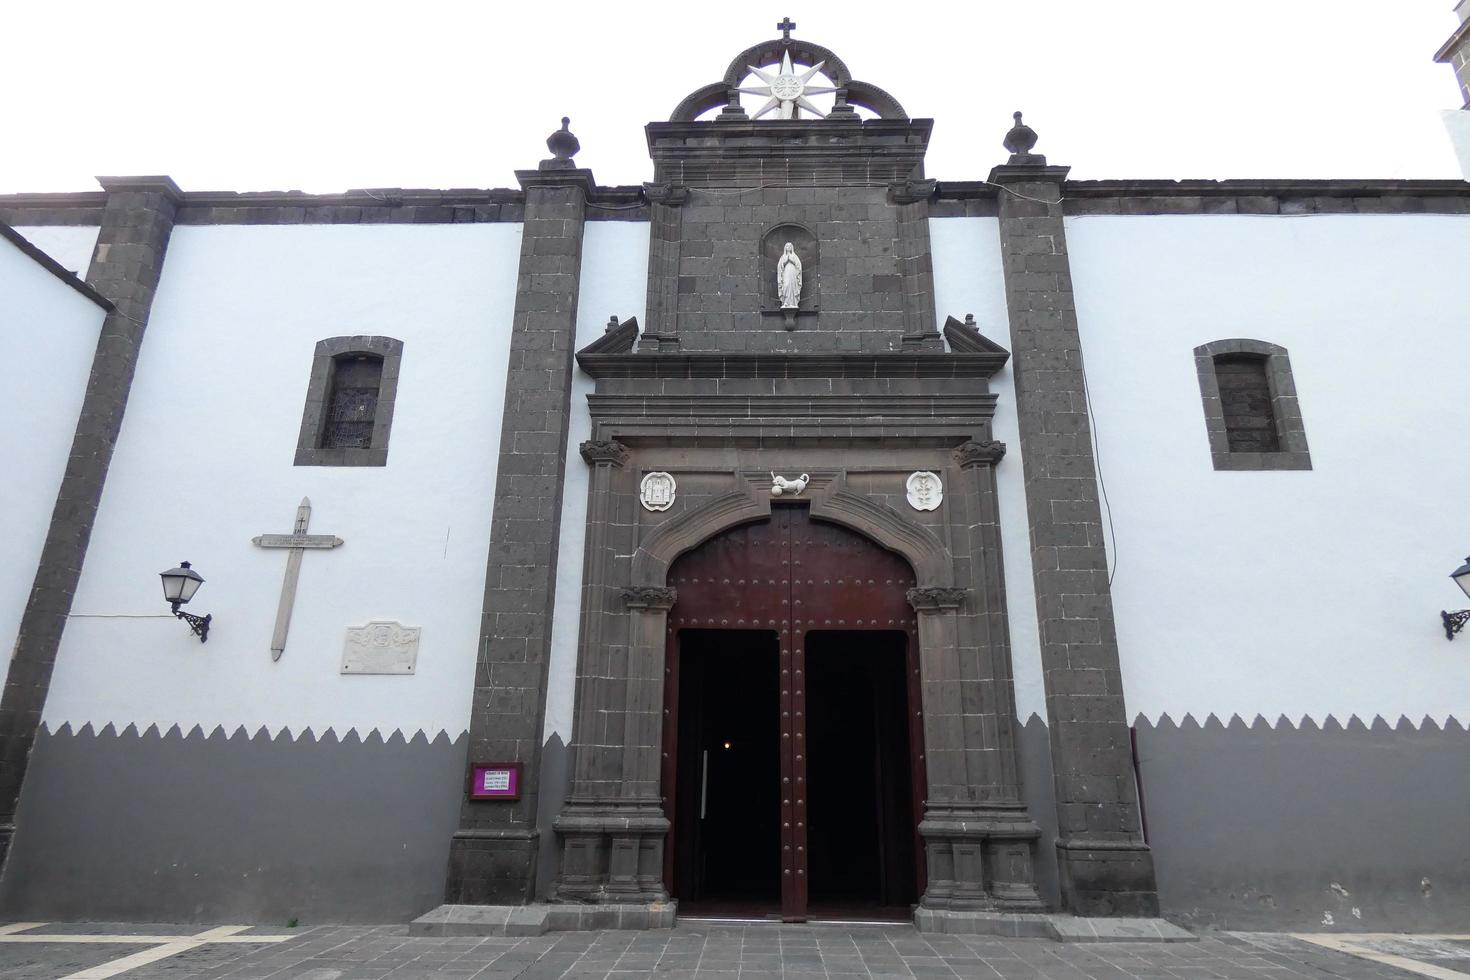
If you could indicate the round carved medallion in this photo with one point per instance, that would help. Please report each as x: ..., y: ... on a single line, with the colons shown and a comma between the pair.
x: 657, y: 491
x: 925, y: 490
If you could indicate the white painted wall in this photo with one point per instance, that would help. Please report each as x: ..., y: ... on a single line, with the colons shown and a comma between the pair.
x: 1284, y: 592
x: 968, y: 278
x: 70, y: 245
x: 205, y: 462
x: 1457, y: 124
x: 48, y: 332
x: 614, y: 281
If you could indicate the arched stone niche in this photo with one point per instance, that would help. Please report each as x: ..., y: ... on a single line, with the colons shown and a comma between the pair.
x: 804, y: 241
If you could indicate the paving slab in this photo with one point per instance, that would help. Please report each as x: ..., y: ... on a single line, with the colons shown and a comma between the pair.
x: 714, y: 951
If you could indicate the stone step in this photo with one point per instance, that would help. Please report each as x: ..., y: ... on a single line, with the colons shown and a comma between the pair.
x: 1056, y: 926
x: 539, y: 918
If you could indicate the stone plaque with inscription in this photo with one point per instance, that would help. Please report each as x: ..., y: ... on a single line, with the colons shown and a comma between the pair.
x: 381, y: 648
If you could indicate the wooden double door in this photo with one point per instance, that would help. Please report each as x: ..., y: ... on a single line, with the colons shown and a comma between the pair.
x: 792, y: 745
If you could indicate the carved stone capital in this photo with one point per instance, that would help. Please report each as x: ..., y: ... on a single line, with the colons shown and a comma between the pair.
x: 673, y: 195
x: 974, y: 453
x: 911, y: 191
x: 649, y: 597
x: 935, y: 600
x: 596, y: 451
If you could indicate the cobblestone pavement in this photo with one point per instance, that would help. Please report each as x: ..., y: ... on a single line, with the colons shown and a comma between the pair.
x: 695, y: 950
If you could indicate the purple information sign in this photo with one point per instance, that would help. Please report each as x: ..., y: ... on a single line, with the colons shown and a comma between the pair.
x: 495, y: 781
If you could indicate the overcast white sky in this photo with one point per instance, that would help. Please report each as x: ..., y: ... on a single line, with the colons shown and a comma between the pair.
x: 324, y: 96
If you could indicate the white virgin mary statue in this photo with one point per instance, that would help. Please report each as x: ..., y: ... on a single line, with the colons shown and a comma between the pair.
x: 788, y: 278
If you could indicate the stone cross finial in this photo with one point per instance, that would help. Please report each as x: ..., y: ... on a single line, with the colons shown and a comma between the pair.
x: 786, y: 26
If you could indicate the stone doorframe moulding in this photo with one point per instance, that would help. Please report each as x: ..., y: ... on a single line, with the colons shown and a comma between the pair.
x: 979, y: 841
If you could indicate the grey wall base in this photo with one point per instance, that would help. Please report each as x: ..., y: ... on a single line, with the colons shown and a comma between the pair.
x: 1034, y: 747
x: 189, y: 828
x: 1057, y: 927
x: 539, y: 918
x: 1358, y: 828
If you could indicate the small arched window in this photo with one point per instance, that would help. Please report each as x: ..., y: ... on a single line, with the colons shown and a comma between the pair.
x: 1251, y: 411
x: 349, y: 402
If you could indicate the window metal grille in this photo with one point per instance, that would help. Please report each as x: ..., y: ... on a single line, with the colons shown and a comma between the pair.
x: 353, y: 408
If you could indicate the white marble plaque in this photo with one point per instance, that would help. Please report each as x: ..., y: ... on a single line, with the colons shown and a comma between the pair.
x: 657, y: 491
x: 381, y: 648
x: 926, y: 490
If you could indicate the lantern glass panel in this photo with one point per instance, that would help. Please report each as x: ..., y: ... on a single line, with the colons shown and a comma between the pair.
x: 180, y: 584
x: 1461, y: 576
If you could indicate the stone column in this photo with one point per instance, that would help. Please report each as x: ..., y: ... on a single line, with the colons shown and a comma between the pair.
x: 137, y: 222
x: 492, y: 857
x: 1105, y: 867
x: 661, y: 332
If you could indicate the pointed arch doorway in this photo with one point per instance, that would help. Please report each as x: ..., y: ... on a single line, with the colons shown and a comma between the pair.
x: 793, y: 773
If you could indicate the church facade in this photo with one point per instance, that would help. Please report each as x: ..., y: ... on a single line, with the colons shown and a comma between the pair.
x: 753, y: 542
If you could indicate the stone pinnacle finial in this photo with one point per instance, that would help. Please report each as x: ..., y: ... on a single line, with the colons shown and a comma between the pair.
x: 563, y: 146
x: 1019, y: 141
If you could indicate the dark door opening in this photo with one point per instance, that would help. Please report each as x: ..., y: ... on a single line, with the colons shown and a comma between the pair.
x: 727, y: 810
x: 804, y: 609
x: 861, y: 833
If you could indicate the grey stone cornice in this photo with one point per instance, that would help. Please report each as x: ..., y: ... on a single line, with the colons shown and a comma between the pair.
x: 966, y: 339
x: 360, y: 206
x: 843, y: 366
x: 1008, y: 173
x: 1266, y: 197
x: 616, y: 340
x: 429, y: 206
x: 565, y: 177
x: 154, y: 184
x: 772, y: 408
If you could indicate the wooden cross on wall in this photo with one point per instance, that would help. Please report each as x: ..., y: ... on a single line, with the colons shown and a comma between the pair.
x: 297, y: 541
x: 786, y: 26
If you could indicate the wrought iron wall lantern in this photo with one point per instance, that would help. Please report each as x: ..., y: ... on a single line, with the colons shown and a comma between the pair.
x: 179, y: 586
x: 1455, y: 621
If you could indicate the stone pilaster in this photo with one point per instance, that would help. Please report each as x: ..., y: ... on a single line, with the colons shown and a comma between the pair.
x: 492, y: 857
x: 137, y: 220
x: 661, y: 332
x: 613, y: 825
x: 1456, y: 52
x: 916, y: 264
x: 979, y: 842
x: 1105, y: 867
